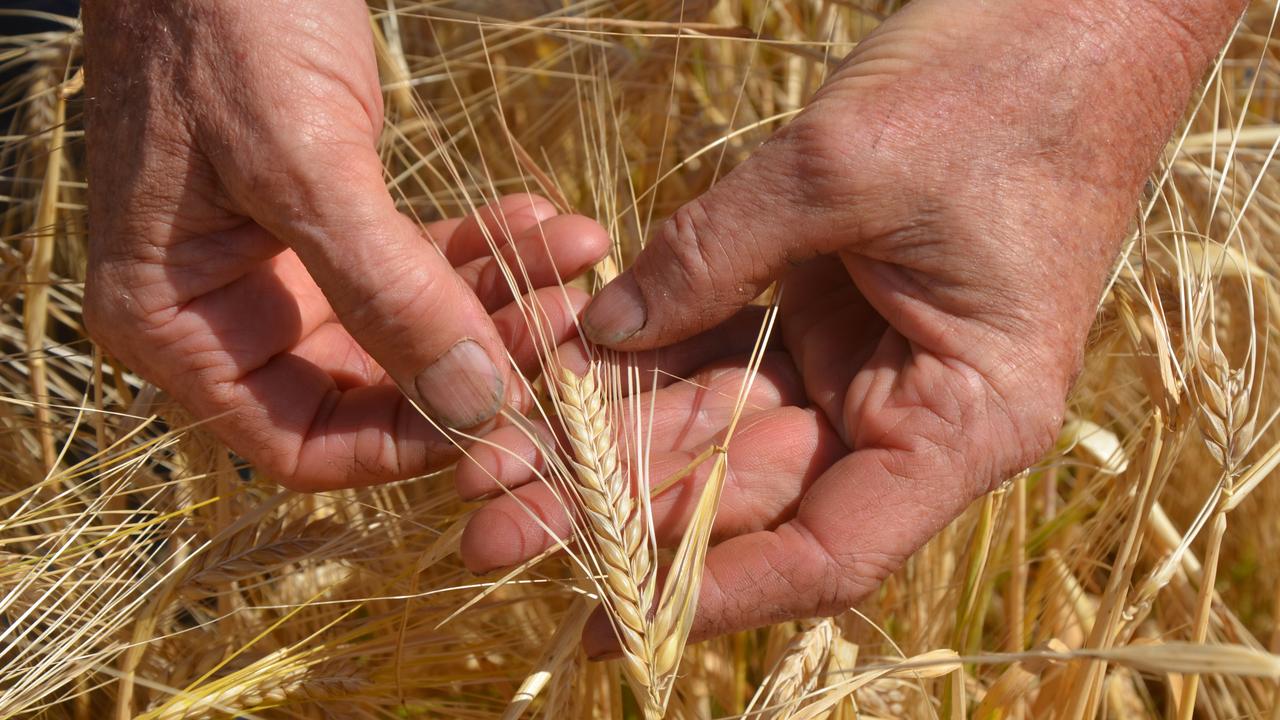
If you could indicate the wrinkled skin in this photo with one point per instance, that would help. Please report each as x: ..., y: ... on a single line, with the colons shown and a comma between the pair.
x: 246, y: 256
x: 941, y: 218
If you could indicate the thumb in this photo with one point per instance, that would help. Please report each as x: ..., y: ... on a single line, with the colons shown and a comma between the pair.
x: 714, y: 255
x: 393, y: 291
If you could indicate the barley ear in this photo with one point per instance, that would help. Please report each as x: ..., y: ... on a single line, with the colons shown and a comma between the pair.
x: 800, y: 669
x: 613, y: 526
x: 679, y: 600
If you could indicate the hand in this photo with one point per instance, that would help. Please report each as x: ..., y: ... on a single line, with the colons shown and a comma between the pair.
x: 246, y: 256
x: 941, y: 217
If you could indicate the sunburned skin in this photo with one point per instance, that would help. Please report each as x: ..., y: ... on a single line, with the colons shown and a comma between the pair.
x: 249, y: 259
x: 941, y: 218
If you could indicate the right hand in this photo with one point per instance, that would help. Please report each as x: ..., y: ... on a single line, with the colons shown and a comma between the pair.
x: 246, y: 256
x: 941, y: 218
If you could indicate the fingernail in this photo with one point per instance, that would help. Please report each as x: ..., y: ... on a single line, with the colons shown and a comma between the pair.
x: 463, y: 388
x: 617, y: 313
x: 539, y: 211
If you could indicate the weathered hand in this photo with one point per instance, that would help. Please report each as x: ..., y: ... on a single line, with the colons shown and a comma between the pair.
x: 246, y: 255
x: 942, y: 218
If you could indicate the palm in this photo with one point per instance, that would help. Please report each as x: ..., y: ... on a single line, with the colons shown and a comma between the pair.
x: 843, y: 387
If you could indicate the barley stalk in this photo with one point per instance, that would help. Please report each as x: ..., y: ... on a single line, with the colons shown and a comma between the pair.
x: 36, y: 302
x: 556, y: 662
x: 1228, y: 428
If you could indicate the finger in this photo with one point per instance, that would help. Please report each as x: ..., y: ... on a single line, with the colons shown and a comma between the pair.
x: 512, y: 528
x: 332, y: 349
x: 316, y: 418
x: 360, y: 433
x: 508, y: 457
x: 206, y: 342
x: 483, y: 474
x: 440, y: 231
x: 292, y: 420
x: 766, y: 480
x: 773, y: 459
x: 715, y: 254
x: 686, y: 414
x: 544, y: 318
x: 830, y: 330
x: 505, y: 459
x: 660, y: 367
x: 557, y: 310
x: 392, y: 290
x: 932, y: 438
x: 475, y: 236
x: 542, y: 255
x: 857, y: 525
x: 683, y: 417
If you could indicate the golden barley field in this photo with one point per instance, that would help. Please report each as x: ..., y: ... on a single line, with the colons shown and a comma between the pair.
x: 1134, y: 572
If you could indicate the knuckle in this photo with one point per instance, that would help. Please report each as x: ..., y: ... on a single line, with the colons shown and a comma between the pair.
x: 845, y: 576
x: 1039, y: 430
x: 686, y: 240
x: 704, y: 254
x: 395, y: 312
x: 813, y: 142
x: 282, y: 461
x: 858, y: 576
x: 306, y: 173
x: 868, y: 175
x: 109, y: 313
x: 838, y: 164
x: 972, y: 429
x: 1029, y: 418
x: 349, y: 90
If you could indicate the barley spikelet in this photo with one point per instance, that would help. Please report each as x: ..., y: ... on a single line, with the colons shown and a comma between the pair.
x: 617, y: 528
x: 266, y: 688
x: 1225, y: 418
x: 797, y: 672
x: 885, y: 698
x: 255, y: 550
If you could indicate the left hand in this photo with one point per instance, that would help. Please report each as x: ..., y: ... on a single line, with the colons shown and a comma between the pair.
x: 941, y: 217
